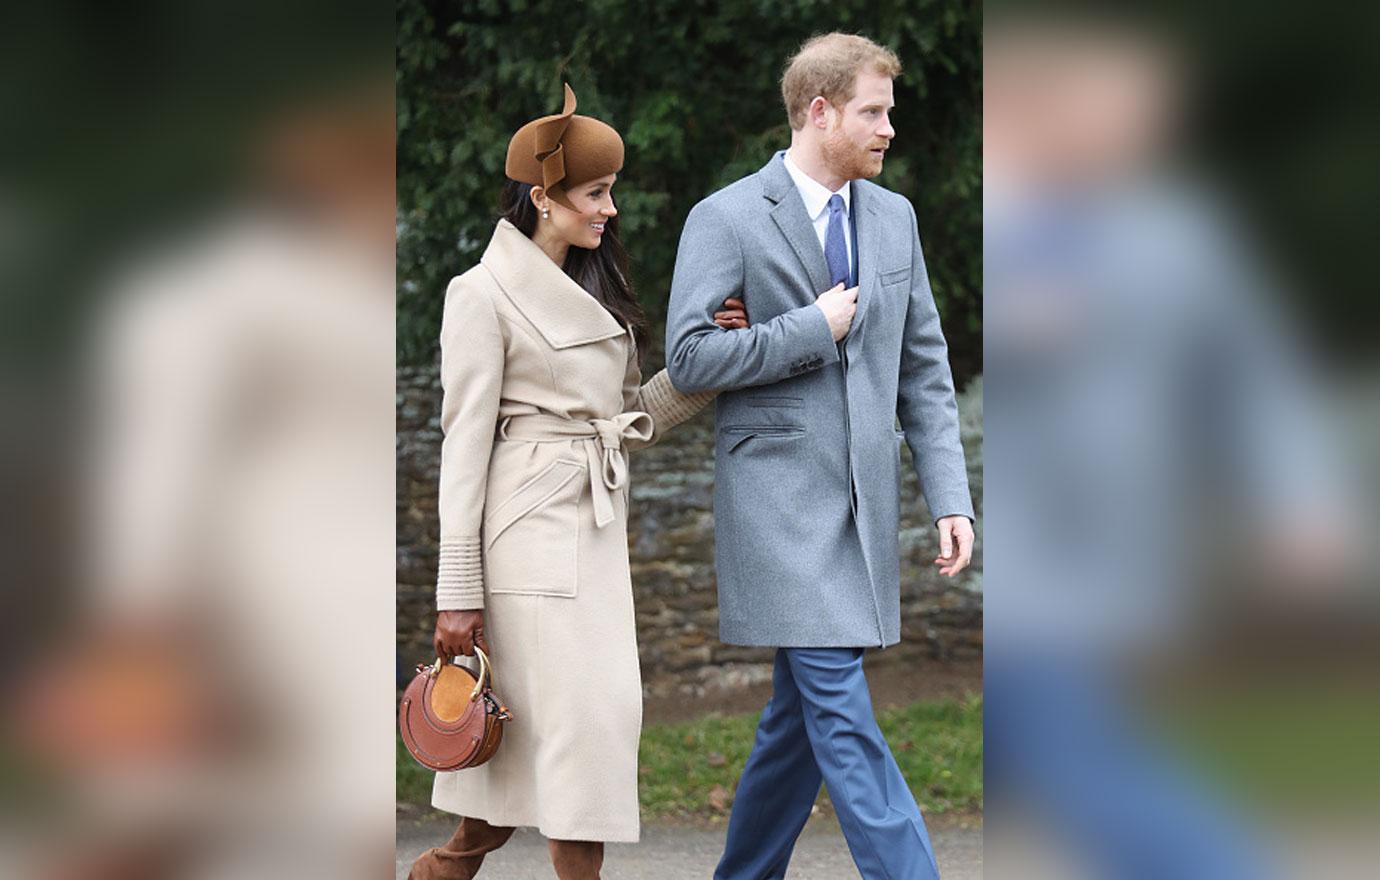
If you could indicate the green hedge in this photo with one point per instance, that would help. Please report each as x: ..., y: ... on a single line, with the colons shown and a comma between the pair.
x: 694, y: 89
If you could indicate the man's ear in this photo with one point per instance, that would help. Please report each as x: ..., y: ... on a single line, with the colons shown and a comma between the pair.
x: 818, y: 112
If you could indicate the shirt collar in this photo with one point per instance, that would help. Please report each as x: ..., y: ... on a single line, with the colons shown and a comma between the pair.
x: 813, y: 193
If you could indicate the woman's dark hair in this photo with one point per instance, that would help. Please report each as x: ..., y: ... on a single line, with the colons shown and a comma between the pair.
x: 602, y: 271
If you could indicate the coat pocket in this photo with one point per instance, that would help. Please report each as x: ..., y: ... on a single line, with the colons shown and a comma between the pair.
x: 736, y: 435
x: 893, y: 276
x: 773, y: 402
x: 531, y: 538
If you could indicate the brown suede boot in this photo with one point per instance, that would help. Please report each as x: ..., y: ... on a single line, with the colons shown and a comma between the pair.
x: 576, y: 859
x: 461, y: 857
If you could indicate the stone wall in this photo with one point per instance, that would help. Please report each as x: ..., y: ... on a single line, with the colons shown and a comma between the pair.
x: 671, y: 544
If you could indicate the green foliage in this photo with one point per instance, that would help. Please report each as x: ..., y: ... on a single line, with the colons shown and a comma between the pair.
x: 693, y: 87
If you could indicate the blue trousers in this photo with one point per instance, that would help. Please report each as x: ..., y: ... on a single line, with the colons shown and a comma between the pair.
x: 819, y: 727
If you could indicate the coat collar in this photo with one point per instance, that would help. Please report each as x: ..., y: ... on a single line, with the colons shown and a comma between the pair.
x: 789, y: 213
x: 564, y: 313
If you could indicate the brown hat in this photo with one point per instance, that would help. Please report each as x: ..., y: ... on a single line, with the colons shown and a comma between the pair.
x: 556, y: 152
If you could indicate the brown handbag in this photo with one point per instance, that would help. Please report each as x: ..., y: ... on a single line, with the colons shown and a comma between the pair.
x: 450, y: 720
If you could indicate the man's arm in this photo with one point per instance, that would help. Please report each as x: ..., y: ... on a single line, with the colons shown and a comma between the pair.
x: 701, y: 356
x: 925, y: 400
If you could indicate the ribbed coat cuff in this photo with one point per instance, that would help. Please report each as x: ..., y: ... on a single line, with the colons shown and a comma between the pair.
x: 459, y: 575
x: 669, y: 407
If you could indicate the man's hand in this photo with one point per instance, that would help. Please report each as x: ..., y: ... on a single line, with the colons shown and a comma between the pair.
x: 734, y: 315
x: 457, y: 632
x: 1310, y: 556
x: 955, y: 544
x: 838, y: 306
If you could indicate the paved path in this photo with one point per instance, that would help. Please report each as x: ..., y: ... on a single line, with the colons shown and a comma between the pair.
x: 679, y: 853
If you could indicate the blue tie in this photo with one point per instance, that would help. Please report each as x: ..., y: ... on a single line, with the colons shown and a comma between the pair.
x: 835, y: 247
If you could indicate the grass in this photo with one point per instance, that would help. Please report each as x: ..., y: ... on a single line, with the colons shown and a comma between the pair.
x: 413, y: 780
x: 1279, y: 747
x: 1284, y: 747
x: 688, y: 770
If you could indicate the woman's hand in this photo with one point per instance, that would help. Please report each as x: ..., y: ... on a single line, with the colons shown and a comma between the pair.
x: 734, y: 315
x: 457, y: 632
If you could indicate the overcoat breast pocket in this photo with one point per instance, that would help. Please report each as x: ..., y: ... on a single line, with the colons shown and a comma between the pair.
x: 532, y: 537
x: 893, y: 276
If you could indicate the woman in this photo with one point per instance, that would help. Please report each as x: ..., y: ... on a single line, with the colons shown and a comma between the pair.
x: 539, y: 361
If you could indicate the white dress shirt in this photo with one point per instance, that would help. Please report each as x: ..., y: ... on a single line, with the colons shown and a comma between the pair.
x: 816, y: 198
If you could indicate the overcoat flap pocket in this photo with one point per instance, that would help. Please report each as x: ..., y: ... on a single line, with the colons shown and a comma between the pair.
x: 541, y: 488
x: 532, y: 538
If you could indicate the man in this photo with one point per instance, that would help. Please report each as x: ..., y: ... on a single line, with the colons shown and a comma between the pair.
x: 845, y: 339
x: 1154, y: 402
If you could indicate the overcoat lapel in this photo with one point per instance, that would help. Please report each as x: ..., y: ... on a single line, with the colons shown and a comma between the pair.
x: 788, y: 212
x: 867, y: 242
x: 564, y: 313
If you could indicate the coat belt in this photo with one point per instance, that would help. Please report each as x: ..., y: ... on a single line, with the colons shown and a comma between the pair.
x: 602, y: 440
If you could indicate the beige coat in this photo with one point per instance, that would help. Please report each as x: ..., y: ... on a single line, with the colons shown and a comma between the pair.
x: 542, y: 399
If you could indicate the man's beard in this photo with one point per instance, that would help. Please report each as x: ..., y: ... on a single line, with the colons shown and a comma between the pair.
x: 847, y: 159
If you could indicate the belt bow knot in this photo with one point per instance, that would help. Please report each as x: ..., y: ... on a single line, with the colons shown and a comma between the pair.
x: 613, y: 463
x: 603, y: 441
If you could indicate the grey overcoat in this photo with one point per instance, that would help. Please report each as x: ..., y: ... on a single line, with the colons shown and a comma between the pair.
x: 807, y: 455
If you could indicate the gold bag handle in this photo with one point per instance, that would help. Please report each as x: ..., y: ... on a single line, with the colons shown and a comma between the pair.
x: 484, y: 672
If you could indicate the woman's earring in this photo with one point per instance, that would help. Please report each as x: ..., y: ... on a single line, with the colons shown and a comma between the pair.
x: 546, y: 215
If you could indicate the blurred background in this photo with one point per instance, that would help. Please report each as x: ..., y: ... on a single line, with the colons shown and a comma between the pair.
x: 196, y: 240
x: 694, y: 89
x: 1181, y: 378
